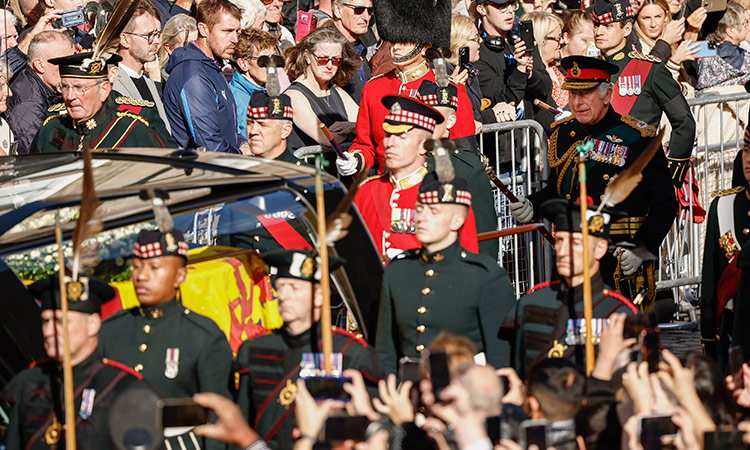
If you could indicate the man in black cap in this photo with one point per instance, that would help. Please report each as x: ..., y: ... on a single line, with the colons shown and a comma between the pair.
x: 387, y: 201
x: 177, y: 350
x: 616, y: 142
x: 466, y: 160
x: 93, y: 117
x: 541, y: 318
x: 644, y: 87
x: 269, y: 124
x: 270, y: 365
x: 37, y: 416
x: 442, y: 287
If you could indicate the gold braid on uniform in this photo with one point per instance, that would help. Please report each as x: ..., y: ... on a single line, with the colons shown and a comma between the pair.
x: 734, y: 190
x: 643, y: 57
x: 645, y: 129
x: 132, y: 116
x: 567, y: 158
x: 122, y: 100
x: 53, y: 117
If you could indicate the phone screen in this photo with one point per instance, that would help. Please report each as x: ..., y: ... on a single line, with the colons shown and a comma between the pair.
x: 494, y: 424
x: 182, y: 413
x: 408, y: 369
x: 322, y: 388
x: 463, y: 56
x: 439, y: 373
x: 536, y: 435
x: 653, y: 428
x: 344, y: 428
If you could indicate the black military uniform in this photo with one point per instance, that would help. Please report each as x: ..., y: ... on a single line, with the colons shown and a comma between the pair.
x: 540, y: 318
x: 645, y: 89
x: 177, y: 350
x: 265, y: 107
x: 450, y: 290
x: 617, y: 142
x: 36, y: 394
x: 269, y: 365
x: 118, y: 123
x: 467, y: 165
x: 727, y: 232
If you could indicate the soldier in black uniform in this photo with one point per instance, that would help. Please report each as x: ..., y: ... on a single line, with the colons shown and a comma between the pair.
x: 617, y: 141
x: 94, y: 118
x: 540, y: 318
x: 269, y: 124
x: 466, y: 161
x: 269, y: 365
x: 727, y: 232
x: 644, y: 88
x: 441, y: 286
x: 177, y: 350
x: 36, y: 394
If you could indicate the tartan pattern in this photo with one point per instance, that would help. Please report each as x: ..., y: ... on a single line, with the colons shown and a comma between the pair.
x: 608, y: 18
x: 411, y: 118
x: 154, y: 250
x: 433, y: 101
x: 262, y: 112
x: 432, y: 197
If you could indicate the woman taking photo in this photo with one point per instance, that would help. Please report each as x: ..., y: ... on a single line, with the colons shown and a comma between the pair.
x: 319, y: 65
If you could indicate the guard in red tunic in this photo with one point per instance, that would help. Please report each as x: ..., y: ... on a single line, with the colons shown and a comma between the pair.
x: 387, y: 202
x: 411, y: 27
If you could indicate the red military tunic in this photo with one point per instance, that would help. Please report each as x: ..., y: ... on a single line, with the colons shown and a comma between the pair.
x: 388, y: 206
x: 370, y: 134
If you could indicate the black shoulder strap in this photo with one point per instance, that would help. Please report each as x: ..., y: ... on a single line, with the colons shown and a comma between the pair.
x: 309, y: 94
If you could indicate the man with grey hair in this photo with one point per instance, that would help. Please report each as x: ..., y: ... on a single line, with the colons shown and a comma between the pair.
x: 352, y: 19
x: 615, y: 142
x: 36, y: 86
x: 8, y: 31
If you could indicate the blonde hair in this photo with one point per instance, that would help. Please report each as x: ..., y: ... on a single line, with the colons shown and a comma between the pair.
x: 177, y: 29
x: 251, y: 10
x: 462, y: 28
x: 734, y: 17
x: 543, y: 22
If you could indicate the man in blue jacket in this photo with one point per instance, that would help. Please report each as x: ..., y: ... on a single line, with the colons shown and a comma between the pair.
x: 197, y: 99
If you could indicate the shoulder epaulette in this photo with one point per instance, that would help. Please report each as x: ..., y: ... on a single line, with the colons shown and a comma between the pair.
x: 543, y: 285
x: 561, y: 121
x: 56, y: 107
x: 343, y: 332
x: 40, y: 362
x: 623, y: 299
x: 638, y: 55
x: 645, y: 129
x: 122, y: 367
x: 122, y: 100
x: 53, y: 117
x: 734, y: 190
x: 374, y: 177
x: 132, y: 116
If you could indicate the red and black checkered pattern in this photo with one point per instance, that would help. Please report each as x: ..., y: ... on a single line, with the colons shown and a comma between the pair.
x: 411, y: 118
x: 432, y: 100
x: 154, y: 249
x: 262, y: 112
x: 432, y: 197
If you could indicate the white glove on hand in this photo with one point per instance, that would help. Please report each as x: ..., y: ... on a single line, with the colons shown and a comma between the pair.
x: 347, y: 165
x: 629, y: 261
x: 563, y: 115
x: 522, y: 210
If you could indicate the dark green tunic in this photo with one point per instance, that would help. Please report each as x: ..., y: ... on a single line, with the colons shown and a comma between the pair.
x: 659, y: 93
x: 452, y: 290
x: 36, y: 396
x: 540, y: 320
x: 268, y: 363
x: 146, y: 338
x: 119, y: 123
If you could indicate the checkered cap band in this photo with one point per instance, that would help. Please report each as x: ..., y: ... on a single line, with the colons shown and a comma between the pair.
x: 433, y: 101
x: 153, y: 250
x: 411, y: 118
x: 262, y: 112
x: 608, y: 17
x: 431, y: 197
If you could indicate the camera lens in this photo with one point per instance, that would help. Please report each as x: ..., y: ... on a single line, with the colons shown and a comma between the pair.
x: 137, y: 439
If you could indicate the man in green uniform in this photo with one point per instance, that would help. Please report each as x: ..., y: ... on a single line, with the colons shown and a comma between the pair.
x: 442, y: 286
x: 177, y: 350
x: 94, y: 118
x: 37, y: 415
x: 269, y: 124
x: 270, y: 365
x: 644, y: 87
x: 541, y: 318
x: 466, y: 162
x: 616, y: 142
x: 726, y: 234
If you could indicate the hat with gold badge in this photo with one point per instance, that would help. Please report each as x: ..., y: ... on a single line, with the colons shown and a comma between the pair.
x: 585, y: 72
x: 156, y: 243
x: 85, y: 295
x: 301, y: 264
x: 82, y: 65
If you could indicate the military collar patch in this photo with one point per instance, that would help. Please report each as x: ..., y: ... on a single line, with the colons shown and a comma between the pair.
x: 619, y: 56
x: 91, y: 124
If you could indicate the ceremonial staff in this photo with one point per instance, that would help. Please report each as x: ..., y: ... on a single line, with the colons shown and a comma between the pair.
x: 53, y: 433
x: 325, y: 318
x: 583, y: 151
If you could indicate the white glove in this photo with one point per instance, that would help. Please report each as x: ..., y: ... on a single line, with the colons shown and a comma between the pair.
x: 563, y: 115
x: 629, y: 261
x: 347, y: 165
x: 522, y: 210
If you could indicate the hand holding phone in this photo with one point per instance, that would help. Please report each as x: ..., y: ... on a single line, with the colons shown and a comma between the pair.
x: 324, y: 388
x: 345, y: 428
x: 463, y: 57
x: 181, y: 412
x: 439, y: 373
x: 534, y: 432
x: 653, y: 427
x: 526, y: 34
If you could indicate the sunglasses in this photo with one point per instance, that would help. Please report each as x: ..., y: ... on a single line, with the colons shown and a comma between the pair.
x: 359, y: 10
x: 268, y: 2
x: 323, y: 60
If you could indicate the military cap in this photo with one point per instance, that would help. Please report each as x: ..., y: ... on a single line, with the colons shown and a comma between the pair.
x: 155, y: 243
x: 406, y: 113
x: 300, y: 264
x: 432, y: 190
x: 433, y: 95
x: 615, y: 11
x: 585, y: 72
x: 566, y: 215
x: 85, y: 295
x: 264, y: 106
x: 81, y: 65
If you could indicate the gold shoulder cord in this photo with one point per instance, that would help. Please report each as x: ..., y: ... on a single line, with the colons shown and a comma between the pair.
x: 567, y: 159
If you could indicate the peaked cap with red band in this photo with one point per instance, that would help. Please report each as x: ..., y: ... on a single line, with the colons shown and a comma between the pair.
x: 585, y: 72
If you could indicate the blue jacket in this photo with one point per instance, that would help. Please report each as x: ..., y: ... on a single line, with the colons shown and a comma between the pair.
x: 242, y: 89
x: 199, y: 103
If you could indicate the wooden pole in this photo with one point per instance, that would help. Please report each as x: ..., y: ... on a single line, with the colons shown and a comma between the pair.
x: 325, y: 317
x: 587, y: 307
x: 70, y: 415
x: 518, y: 229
